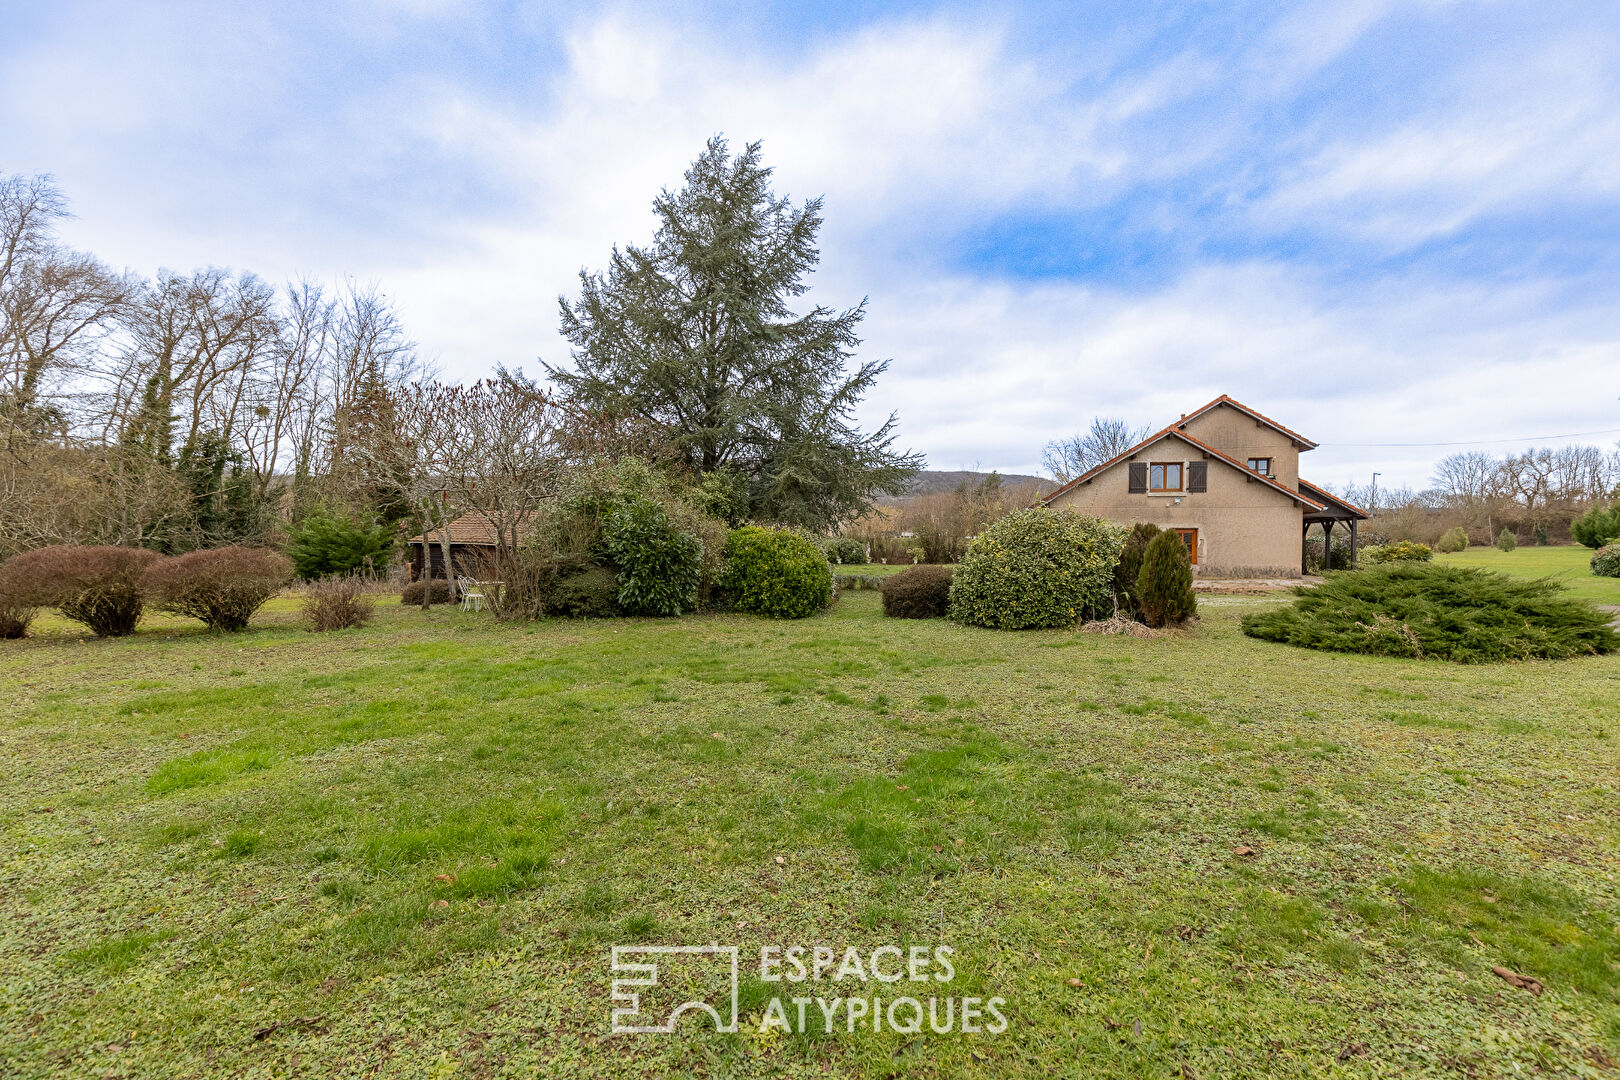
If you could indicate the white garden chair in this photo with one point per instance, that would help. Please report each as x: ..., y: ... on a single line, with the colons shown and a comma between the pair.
x: 472, y: 598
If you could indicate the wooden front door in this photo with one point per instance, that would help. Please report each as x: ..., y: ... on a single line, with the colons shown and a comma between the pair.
x: 1190, y: 538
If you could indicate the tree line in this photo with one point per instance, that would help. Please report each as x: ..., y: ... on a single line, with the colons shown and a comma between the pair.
x: 192, y: 410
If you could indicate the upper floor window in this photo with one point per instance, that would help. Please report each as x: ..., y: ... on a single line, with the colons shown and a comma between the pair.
x: 1261, y: 465
x: 1164, y: 476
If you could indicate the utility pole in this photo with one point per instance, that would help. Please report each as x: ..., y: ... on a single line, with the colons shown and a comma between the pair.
x: 1372, y: 506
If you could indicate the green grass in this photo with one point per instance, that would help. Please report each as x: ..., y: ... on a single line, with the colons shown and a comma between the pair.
x: 406, y: 850
x: 1569, y: 564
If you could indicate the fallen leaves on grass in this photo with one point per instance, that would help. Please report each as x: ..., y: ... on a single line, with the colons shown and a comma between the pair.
x: 1523, y: 982
x: 447, y: 879
x: 1243, y: 851
x: 300, y: 1021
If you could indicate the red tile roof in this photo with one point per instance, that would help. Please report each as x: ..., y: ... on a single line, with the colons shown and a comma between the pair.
x: 1226, y: 399
x: 473, y: 529
x: 1320, y: 492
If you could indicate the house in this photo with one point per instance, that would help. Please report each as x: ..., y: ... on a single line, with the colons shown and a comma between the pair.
x: 473, y: 541
x: 1226, y: 479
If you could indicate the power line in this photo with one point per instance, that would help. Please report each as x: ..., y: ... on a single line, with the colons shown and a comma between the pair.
x: 1480, y: 442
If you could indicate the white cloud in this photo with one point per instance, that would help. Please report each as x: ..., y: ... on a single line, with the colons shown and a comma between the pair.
x: 1507, y: 135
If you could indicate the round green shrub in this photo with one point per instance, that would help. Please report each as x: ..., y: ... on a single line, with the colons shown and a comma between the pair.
x: 1401, y: 551
x: 1606, y: 561
x: 659, y: 565
x: 775, y: 572
x: 592, y: 593
x: 1506, y: 541
x: 1164, y: 587
x: 1455, y: 539
x: 923, y: 592
x: 844, y: 550
x: 1037, y: 568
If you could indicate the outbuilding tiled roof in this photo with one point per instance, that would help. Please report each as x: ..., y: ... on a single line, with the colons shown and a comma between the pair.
x: 474, y: 530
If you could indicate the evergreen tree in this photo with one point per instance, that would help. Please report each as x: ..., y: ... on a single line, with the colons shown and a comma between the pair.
x: 695, y: 333
x: 1164, y: 587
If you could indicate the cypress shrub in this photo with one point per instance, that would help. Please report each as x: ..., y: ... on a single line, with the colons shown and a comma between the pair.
x: 1506, y: 541
x: 1164, y: 586
x: 1037, y: 568
x: 1129, y: 566
x: 101, y: 587
x: 775, y: 572
x: 1606, y: 561
x: 1427, y: 610
x: 1454, y: 539
x: 327, y: 542
x: 1592, y: 529
x: 923, y: 592
x: 221, y: 586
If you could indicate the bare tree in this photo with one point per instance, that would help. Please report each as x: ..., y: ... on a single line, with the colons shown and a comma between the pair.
x: 504, y: 454
x: 1106, y: 438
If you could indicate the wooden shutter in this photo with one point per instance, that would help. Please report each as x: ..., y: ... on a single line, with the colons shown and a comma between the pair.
x: 1197, y: 476
x: 1138, y: 477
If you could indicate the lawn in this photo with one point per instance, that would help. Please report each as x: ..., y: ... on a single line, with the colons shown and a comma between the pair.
x: 407, y: 850
x: 1570, y: 564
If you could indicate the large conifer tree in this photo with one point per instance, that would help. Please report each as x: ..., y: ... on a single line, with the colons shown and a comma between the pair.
x: 695, y: 333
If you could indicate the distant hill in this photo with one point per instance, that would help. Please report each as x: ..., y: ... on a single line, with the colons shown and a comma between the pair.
x: 931, y: 482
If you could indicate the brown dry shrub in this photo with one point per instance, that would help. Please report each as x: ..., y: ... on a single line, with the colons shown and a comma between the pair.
x: 101, y: 587
x: 14, y: 619
x: 221, y: 586
x: 923, y: 592
x: 337, y: 603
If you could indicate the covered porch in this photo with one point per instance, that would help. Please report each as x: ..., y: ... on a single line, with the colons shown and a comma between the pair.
x: 1335, y: 513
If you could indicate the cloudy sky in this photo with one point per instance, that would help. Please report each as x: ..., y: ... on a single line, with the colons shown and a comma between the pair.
x: 1379, y: 221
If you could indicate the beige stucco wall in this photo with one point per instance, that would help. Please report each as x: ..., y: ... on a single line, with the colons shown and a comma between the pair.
x: 1245, y: 528
x: 1238, y: 435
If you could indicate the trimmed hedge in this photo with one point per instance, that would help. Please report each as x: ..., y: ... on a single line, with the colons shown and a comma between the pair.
x: 1506, y: 541
x: 1037, y: 568
x: 101, y: 587
x: 1428, y: 611
x: 1400, y: 551
x: 923, y: 592
x: 1606, y: 561
x: 591, y: 593
x: 438, y: 591
x: 221, y: 586
x: 775, y: 572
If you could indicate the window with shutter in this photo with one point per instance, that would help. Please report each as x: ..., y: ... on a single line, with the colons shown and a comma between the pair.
x: 1198, y: 476
x: 1139, y: 477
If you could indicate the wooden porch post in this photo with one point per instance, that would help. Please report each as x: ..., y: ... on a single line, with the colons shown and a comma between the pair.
x: 1327, y: 544
x: 1304, y: 534
x: 1352, y: 543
